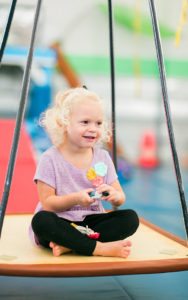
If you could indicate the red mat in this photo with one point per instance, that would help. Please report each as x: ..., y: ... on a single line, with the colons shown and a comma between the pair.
x: 23, y: 194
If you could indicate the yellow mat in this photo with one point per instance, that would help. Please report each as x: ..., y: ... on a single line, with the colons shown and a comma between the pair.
x: 153, y: 251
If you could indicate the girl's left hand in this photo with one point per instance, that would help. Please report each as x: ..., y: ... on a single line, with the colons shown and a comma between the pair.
x: 114, y: 196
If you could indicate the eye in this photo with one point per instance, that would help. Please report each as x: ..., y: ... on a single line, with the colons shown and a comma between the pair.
x: 99, y: 123
x: 85, y: 122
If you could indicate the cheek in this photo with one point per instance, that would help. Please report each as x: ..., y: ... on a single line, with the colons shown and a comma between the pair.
x: 99, y: 131
x: 99, y: 134
x: 74, y: 131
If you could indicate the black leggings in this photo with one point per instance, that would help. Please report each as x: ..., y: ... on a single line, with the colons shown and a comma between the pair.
x: 112, y: 226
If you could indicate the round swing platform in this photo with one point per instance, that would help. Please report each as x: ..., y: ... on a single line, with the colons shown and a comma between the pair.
x: 153, y: 251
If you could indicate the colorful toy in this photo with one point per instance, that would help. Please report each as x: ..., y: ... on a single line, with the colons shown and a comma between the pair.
x: 96, y: 195
x: 96, y: 174
x: 86, y: 230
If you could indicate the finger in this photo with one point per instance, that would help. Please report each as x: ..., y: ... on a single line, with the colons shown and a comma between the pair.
x: 89, y: 190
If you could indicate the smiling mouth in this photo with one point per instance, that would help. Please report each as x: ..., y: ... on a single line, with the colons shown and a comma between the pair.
x: 90, y: 137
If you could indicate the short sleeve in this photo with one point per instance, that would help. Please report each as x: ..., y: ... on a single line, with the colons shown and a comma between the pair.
x: 111, y: 174
x: 45, y: 171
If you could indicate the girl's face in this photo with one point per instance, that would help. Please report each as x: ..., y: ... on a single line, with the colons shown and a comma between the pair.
x: 85, y: 125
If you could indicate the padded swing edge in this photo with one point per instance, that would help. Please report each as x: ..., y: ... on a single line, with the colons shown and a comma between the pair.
x: 95, y: 269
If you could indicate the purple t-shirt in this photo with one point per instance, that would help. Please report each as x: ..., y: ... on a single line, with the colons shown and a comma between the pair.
x: 65, y: 178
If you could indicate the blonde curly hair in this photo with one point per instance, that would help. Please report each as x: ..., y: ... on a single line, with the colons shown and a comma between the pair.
x: 56, y: 118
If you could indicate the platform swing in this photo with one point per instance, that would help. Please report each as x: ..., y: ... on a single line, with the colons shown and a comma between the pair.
x: 154, y: 250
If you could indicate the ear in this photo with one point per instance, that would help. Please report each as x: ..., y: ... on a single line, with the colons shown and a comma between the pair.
x: 59, y: 122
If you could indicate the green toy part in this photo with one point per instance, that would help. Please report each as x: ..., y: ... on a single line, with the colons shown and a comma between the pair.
x: 125, y: 16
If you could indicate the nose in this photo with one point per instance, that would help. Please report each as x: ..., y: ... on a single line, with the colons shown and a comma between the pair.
x: 92, y: 127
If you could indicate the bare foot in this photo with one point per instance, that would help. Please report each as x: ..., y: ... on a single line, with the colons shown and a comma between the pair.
x: 116, y: 249
x: 58, y: 250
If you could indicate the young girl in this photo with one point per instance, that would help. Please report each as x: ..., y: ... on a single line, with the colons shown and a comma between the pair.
x: 73, y: 177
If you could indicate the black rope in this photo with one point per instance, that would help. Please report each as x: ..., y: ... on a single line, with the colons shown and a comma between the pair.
x: 167, y: 112
x: 19, y: 119
x: 112, y: 76
x: 112, y: 73
x: 7, y: 29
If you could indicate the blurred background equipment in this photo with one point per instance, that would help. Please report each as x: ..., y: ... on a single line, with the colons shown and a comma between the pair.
x: 148, y: 151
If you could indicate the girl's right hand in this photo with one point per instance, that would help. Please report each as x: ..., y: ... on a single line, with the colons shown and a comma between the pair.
x: 84, y: 199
